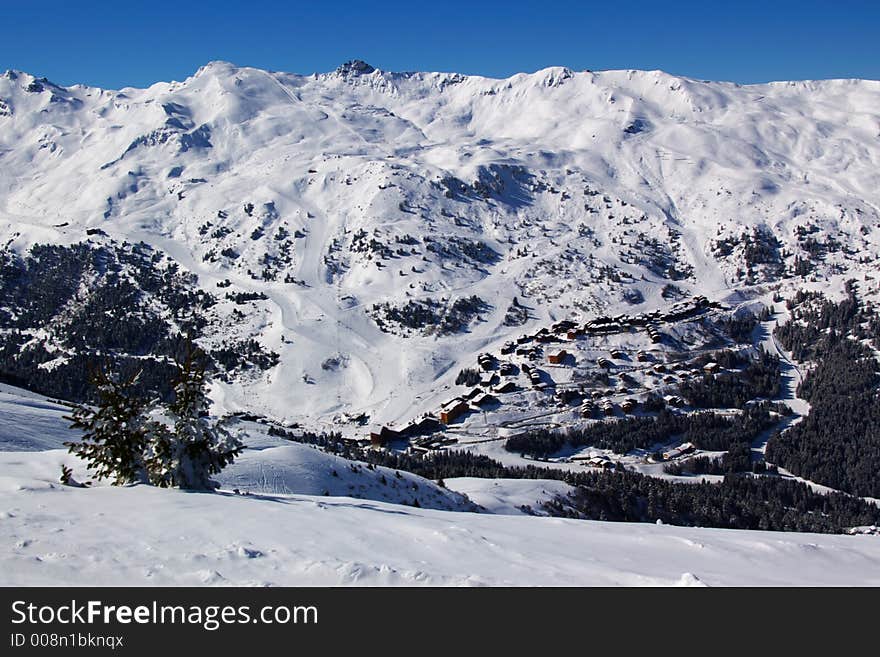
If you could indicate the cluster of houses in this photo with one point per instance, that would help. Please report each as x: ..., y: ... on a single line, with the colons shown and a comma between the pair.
x: 534, y: 375
x: 497, y: 376
x: 570, y: 330
x: 607, y: 406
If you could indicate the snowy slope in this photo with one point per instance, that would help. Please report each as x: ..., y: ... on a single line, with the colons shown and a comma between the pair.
x: 509, y: 496
x: 31, y: 422
x: 268, y: 465
x: 57, y: 535
x: 335, y: 192
x: 285, y: 531
x: 270, y: 468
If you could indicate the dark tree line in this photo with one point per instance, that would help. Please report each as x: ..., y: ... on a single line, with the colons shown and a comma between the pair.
x: 468, y: 376
x: 706, y: 430
x: 741, y: 501
x: 737, y: 459
x: 430, y: 315
x: 838, y: 443
x: 759, y: 379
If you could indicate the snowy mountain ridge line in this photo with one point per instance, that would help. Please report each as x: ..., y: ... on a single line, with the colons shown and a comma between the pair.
x: 354, y: 197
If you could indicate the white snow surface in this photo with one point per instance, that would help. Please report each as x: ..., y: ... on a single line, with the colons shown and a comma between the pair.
x: 508, y: 496
x: 143, y: 536
x: 555, y: 171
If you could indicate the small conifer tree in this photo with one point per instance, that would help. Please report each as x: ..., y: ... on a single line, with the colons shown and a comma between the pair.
x: 184, y: 445
x: 114, y: 429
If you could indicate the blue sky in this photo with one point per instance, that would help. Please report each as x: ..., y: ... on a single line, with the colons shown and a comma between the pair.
x: 119, y: 43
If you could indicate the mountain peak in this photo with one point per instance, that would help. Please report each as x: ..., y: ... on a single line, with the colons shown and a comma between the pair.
x: 216, y: 66
x: 354, y: 67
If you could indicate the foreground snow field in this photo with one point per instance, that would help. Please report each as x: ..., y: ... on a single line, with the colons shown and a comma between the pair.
x: 53, y: 535
x: 142, y: 536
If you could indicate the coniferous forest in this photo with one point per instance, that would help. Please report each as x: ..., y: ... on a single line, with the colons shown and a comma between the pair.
x: 740, y: 501
x: 838, y: 443
x: 65, y: 310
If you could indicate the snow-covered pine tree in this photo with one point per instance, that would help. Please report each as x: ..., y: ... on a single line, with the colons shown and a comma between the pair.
x: 114, y: 429
x: 185, y: 446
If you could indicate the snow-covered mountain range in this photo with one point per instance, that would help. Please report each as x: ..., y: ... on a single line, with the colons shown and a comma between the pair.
x: 376, y: 230
x: 357, y: 249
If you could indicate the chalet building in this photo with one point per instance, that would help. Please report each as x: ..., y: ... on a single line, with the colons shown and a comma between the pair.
x: 684, y: 448
x: 642, y: 356
x: 594, y: 461
x: 507, y: 386
x: 508, y: 348
x: 489, y: 380
x: 452, y: 410
x: 604, y: 362
x: 558, y: 358
x: 628, y: 405
x: 486, y: 361
x: 608, y: 407
x: 711, y: 368
x: 507, y: 369
x: 617, y: 354
x: 485, y: 399
x: 597, y: 327
x: 421, y: 427
x: 566, y: 396
x: 587, y: 409
x: 383, y: 436
x: 473, y: 392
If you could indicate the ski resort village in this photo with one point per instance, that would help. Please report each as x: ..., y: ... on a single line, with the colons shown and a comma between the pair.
x: 381, y: 328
